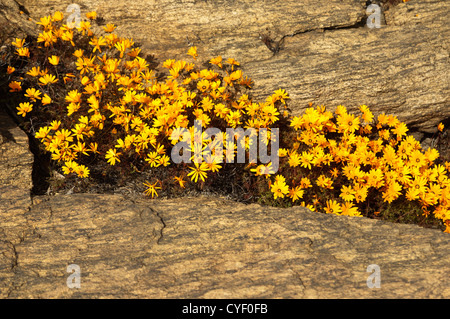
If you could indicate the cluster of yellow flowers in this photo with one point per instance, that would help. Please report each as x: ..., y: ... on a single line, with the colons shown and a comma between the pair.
x: 115, y: 108
x: 114, y: 90
x: 351, y: 156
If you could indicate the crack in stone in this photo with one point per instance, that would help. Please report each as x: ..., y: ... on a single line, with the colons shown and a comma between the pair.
x: 12, y: 288
x: 277, y: 46
x: 156, y: 213
x: 162, y: 228
x: 22, y: 8
x: 299, y: 278
x: 15, y: 257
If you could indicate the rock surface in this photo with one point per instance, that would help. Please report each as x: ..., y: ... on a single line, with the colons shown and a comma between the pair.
x: 16, y: 162
x: 200, y: 247
x: 15, y: 20
x: 327, y: 55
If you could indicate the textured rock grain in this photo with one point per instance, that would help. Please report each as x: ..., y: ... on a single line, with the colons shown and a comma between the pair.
x: 16, y: 20
x: 212, y: 248
x: 16, y: 163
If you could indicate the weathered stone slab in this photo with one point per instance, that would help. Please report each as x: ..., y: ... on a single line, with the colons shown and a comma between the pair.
x: 212, y: 248
x: 16, y: 162
x: 107, y: 236
x: 230, y: 28
x: 15, y: 23
x: 399, y: 70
